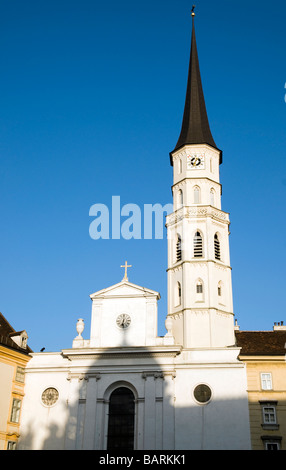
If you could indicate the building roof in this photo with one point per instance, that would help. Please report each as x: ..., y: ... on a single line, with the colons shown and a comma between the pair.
x: 261, y: 343
x: 195, y: 125
x: 125, y: 288
x: 7, y: 333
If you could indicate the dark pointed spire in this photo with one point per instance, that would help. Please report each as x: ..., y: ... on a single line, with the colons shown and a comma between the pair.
x: 195, y: 126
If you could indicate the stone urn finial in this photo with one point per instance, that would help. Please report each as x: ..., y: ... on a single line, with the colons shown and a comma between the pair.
x: 168, y: 325
x: 80, y: 327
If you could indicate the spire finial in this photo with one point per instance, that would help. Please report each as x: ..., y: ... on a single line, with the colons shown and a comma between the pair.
x: 193, y: 10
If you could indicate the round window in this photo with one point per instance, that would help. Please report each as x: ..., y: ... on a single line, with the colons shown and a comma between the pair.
x: 50, y: 396
x: 202, y: 393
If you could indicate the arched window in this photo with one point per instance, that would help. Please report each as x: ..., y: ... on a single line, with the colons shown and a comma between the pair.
x: 216, y: 247
x: 179, y: 248
x: 180, y: 198
x: 197, y: 195
x: 199, y: 291
x: 179, y: 293
x: 212, y: 197
x: 199, y: 287
x: 180, y: 166
x: 198, y: 245
x: 121, y: 420
x: 219, y: 289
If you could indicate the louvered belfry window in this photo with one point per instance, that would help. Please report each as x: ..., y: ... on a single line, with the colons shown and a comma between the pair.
x: 198, y: 245
x: 216, y: 247
x: 179, y: 249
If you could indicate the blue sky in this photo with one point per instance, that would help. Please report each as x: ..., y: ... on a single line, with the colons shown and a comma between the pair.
x: 91, y: 104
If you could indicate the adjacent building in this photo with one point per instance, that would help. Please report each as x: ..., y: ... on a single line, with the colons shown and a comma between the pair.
x: 14, y: 356
x: 264, y: 353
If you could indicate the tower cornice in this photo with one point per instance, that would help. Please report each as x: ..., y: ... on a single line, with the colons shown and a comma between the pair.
x: 201, y: 211
x: 195, y: 179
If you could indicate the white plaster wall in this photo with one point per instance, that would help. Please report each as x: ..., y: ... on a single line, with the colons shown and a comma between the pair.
x: 167, y: 416
x: 223, y: 423
x: 41, y: 426
x: 142, y: 328
x: 139, y: 304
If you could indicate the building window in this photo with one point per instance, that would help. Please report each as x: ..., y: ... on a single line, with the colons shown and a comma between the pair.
x: 178, y: 294
x: 199, y: 287
x: 24, y: 340
x: 50, y: 396
x: 199, y: 291
x: 197, y: 195
x: 269, y: 418
x: 11, y: 445
x: 15, y: 412
x: 271, y: 444
x: 266, y: 380
x: 121, y: 420
x: 180, y: 166
x: 216, y: 247
x: 20, y: 374
x: 179, y: 248
x: 269, y: 414
x: 180, y: 198
x: 202, y: 393
x: 219, y: 289
x: 198, y: 245
x: 212, y: 197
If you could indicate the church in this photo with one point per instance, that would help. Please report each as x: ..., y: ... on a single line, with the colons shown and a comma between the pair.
x: 126, y: 388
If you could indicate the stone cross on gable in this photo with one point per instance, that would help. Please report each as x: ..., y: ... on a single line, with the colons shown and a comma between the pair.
x: 126, y: 266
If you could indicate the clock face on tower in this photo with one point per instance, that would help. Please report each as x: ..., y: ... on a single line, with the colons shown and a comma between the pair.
x: 195, y: 161
x: 123, y: 320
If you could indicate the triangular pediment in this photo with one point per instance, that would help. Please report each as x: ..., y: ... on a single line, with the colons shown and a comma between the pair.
x: 125, y: 289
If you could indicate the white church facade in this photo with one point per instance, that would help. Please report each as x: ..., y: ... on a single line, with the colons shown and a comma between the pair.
x: 126, y: 388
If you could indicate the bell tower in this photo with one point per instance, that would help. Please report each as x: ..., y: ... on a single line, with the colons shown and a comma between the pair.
x: 199, y: 273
